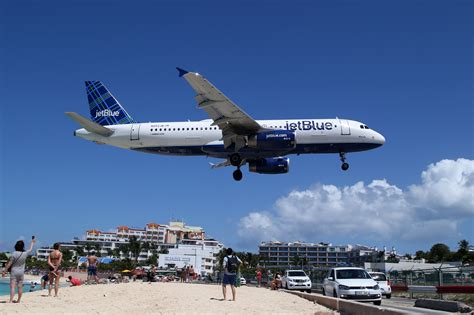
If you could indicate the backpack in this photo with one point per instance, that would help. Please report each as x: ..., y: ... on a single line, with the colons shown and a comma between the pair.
x: 232, y: 264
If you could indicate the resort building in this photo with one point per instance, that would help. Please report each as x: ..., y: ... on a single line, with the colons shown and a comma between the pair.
x: 42, y: 253
x: 302, y: 255
x: 201, y: 254
x: 156, y: 236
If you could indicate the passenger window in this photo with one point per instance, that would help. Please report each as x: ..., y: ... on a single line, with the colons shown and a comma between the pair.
x: 174, y: 129
x: 187, y: 128
x: 192, y: 128
x: 205, y: 128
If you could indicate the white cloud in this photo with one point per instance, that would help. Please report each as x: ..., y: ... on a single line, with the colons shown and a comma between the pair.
x: 378, y: 210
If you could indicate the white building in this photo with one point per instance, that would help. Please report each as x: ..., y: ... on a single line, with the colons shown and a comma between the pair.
x: 201, y: 254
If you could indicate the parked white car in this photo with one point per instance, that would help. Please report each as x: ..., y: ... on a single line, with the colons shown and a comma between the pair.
x: 352, y: 283
x: 243, y: 281
x: 296, y: 280
x: 384, y: 283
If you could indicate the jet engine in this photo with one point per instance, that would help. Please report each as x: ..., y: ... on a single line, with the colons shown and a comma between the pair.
x: 276, y: 165
x: 272, y: 140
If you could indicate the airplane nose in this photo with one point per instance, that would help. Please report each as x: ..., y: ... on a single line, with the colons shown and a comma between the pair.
x: 380, y: 139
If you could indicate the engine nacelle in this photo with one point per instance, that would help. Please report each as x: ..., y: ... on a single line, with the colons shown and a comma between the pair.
x: 273, y: 140
x: 277, y: 165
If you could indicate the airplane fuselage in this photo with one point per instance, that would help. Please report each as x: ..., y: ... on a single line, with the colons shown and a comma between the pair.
x: 204, y: 138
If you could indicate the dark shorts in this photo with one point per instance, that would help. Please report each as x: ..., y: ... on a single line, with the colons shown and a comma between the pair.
x: 92, y: 271
x: 229, y: 279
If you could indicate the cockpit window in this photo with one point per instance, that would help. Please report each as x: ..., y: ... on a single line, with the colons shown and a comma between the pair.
x: 361, y: 126
x: 366, y: 127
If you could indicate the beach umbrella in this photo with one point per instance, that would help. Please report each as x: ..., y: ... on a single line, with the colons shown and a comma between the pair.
x: 126, y: 270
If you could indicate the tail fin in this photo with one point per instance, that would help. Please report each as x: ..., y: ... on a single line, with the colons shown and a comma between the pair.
x: 105, y: 109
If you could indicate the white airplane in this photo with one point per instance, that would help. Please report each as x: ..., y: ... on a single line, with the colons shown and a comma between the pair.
x: 230, y: 134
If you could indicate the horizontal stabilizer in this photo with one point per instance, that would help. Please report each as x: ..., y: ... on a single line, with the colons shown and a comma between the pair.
x: 90, y: 125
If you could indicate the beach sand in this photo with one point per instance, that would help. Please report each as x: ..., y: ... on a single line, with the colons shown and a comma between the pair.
x: 144, y: 298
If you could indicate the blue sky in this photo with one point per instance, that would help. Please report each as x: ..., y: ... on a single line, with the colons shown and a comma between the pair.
x: 404, y: 68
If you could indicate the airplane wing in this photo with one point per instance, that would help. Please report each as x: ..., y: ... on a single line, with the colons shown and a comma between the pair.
x: 233, y: 121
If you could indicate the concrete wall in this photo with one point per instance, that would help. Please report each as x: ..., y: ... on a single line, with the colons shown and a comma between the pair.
x: 346, y: 307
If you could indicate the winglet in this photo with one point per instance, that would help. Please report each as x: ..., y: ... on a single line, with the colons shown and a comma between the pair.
x: 181, y: 71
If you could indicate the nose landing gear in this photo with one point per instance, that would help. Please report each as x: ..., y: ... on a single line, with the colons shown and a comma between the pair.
x: 344, y: 166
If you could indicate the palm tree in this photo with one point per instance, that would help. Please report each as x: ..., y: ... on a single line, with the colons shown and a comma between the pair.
x: 97, y: 250
x: 135, y: 247
x: 295, y: 260
x: 116, y: 252
x: 88, y: 247
x: 80, y: 251
x: 463, y: 251
x: 304, y: 262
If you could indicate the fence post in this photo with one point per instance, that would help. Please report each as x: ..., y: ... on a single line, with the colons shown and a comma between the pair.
x: 440, y: 280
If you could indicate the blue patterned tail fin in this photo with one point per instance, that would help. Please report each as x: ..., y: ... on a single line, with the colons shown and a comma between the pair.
x: 105, y: 109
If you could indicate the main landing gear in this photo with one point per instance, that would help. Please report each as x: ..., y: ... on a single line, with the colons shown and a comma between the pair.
x: 236, y: 160
x: 237, y: 174
x: 344, y: 166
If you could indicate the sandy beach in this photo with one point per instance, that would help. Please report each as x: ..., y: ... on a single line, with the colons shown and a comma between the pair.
x: 164, y: 298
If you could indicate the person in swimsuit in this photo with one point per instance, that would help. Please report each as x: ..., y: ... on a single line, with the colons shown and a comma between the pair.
x: 54, y: 261
x: 17, y: 264
x: 92, y: 262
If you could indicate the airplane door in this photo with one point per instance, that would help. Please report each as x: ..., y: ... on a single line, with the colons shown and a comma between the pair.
x: 345, y: 128
x: 135, y: 132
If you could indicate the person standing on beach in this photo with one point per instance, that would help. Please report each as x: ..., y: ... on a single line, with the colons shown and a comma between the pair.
x: 54, y: 261
x: 92, y: 262
x: 259, y: 278
x: 231, y: 265
x: 17, y: 271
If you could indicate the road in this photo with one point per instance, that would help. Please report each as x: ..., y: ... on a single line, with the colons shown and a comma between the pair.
x: 404, y: 304
x: 407, y: 305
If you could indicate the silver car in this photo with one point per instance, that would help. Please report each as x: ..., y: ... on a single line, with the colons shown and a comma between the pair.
x: 384, y: 283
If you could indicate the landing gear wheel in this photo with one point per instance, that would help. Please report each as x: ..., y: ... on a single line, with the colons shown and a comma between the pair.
x: 235, y: 159
x: 342, y: 157
x: 237, y: 175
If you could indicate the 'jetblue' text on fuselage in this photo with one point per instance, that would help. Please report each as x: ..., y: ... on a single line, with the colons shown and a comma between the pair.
x: 309, y: 125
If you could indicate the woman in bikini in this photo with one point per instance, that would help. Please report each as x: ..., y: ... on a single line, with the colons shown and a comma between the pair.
x: 54, y: 262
